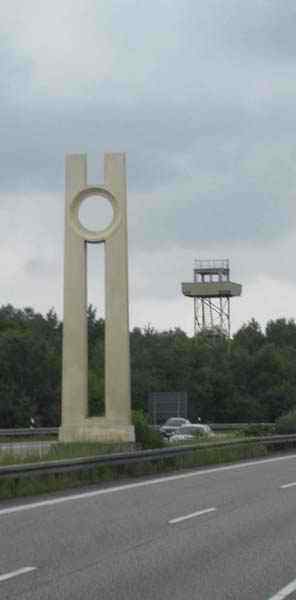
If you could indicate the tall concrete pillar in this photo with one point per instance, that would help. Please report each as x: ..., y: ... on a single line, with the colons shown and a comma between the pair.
x: 76, y: 424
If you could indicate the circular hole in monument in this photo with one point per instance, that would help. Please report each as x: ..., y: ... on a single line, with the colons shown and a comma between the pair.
x: 95, y: 213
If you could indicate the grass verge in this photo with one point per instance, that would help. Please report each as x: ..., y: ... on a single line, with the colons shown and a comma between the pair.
x: 30, y: 486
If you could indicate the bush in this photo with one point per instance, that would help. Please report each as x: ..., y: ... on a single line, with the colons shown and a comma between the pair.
x: 286, y: 423
x: 255, y: 429
x: 147, y: 437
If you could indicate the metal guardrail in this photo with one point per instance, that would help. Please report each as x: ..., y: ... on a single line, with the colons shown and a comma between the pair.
x: 29, y: 432
x: 139, y: 456
x: 43, y: 431
x: 224, y: 426
x: 233, y: 426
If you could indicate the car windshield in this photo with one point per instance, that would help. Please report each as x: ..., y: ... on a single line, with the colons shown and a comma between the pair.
x: 175, y: 422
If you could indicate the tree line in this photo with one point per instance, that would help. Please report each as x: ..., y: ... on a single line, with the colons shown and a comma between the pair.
x: 251, y: 377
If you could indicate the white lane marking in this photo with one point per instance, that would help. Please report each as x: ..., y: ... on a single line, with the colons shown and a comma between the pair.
x: 16, y: 573
x: 195, y: 514
x: 285, y: 592
x: 288, y: 485
x: 130, y: 486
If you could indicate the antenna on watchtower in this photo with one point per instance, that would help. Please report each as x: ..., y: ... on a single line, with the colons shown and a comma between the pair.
x: 211, y: 289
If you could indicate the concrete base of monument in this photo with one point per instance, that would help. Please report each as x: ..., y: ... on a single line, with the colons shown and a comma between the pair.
x: 97, y: 429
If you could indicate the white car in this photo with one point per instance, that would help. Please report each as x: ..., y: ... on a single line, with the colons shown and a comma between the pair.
x: 189, y: 431
x: 173, y: 425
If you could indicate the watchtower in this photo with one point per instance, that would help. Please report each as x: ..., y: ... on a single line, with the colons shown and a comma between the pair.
x: 212, y: 289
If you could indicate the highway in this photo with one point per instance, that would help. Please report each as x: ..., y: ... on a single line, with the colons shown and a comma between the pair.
x: 215, y: 534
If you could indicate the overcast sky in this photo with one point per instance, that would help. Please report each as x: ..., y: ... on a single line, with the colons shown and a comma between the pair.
x: 201, y: 96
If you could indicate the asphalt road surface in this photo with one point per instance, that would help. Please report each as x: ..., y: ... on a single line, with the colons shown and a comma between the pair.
x: 218, y: 534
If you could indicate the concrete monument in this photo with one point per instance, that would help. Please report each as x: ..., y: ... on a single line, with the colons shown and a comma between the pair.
x: 116, y: 423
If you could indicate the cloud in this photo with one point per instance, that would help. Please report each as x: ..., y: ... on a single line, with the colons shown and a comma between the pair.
x: 201, y: 97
